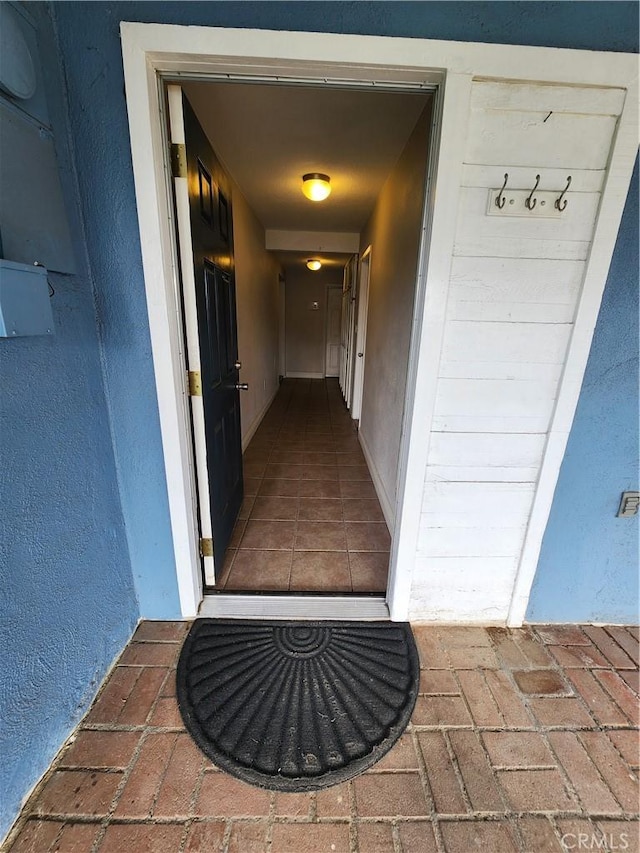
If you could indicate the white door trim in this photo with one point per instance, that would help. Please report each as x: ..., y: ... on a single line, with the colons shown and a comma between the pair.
x: 153, y: 49
x: 364, y: 268
x: 190, y: 313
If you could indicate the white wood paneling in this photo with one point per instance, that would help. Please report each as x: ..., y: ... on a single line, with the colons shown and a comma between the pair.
x: 565, y: 140
x: 535, y: 343
x: 481, y: 474
x: 576, y: 223
x: 493, y: 405
x: 472, y: 541
x: 462, y: 589
x: 582, y: 180
x: 471, y: 245
x: 468, y: 449
x: 532, y: 280
x: 510, y: 312
x: 476, y: 503
x: 515, y: 286
x: 513, y: 370
x: 514, y: 290
x: 557, y: 99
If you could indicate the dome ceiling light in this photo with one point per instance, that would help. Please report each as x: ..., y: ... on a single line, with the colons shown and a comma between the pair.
x: 316, y: 186
x: 313, y: 264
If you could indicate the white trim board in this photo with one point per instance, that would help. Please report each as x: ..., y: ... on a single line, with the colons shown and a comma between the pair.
x: 292, y: 374
x: 150, y: 50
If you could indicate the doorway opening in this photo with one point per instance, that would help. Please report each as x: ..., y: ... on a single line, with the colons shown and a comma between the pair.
x: 322, y: 446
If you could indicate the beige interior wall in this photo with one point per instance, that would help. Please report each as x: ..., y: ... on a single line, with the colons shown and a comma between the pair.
x: 305, y: 327
x: 257, y: 306
x: 393, y: 231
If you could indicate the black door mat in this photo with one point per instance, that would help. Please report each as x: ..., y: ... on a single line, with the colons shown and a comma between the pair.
x: 296, y: 706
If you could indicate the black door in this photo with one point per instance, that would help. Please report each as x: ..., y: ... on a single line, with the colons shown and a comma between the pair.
x: 212, y: 241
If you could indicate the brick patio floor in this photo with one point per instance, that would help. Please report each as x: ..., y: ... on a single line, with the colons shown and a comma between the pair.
x: 519, y: 739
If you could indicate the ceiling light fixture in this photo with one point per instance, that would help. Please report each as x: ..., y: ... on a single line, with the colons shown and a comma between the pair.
x: 313, y: 264
x: 316, y: 186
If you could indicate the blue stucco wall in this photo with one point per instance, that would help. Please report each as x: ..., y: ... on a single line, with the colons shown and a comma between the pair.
x: 67, y: 600
x: 588, y: 567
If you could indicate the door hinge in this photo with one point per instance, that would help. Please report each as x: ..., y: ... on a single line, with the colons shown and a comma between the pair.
x: 195, y: 383
x: 206, y: 547
x: 178, y: 160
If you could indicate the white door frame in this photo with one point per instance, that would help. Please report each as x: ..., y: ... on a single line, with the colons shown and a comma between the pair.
x: 364, y: 274
x: 150, y: 50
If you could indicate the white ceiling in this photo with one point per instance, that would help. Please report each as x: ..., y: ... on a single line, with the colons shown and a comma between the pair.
x: 268, y: 136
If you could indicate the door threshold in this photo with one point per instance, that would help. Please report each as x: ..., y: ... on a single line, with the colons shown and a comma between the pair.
x: 293, y: 607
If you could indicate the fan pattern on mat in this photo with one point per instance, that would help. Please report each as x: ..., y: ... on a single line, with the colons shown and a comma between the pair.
x: 295, y: 701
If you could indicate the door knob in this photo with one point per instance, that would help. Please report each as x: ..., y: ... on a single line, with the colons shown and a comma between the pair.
x: 238, y: 365
x: 360, y: 354
x: 242, y: 386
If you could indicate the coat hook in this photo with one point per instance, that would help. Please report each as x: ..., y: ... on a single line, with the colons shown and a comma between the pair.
x: 531, y: 202
x: 560, y: 205
x: 501, y: 200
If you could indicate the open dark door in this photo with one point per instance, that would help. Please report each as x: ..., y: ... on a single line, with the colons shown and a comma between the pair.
x: 210, y: 234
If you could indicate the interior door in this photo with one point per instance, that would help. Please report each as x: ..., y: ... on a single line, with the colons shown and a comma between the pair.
x: 361, y: 335
x: 348, y: 328
x: 333, y: 336
x: 205, y: 229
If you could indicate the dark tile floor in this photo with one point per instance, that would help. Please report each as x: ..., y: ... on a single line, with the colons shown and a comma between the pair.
x: 521, y: 741
x: 311, y: 520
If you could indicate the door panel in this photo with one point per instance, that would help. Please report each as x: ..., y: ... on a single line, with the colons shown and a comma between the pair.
x: 361, y: 336
x: 348, y: 329
x: 211, y: 238
x: 334, y: 312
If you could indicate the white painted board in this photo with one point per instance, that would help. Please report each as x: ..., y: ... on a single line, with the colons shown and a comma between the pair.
x: 527, y: 97
x: 468, y: 450
x: 472, y: 245
x: 562, y: 140
x: 539, y: 343
x: 574, y: 224
x: 471, y: 542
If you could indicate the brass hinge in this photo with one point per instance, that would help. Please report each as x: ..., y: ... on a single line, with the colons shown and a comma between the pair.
x: 206, y: 547
x: 178, y: 160
x: 195, y: 383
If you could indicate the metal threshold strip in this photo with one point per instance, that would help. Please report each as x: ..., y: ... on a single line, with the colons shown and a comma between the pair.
x: 293, y: 607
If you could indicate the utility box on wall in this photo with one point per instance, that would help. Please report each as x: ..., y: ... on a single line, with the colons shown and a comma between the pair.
x: 25, y: 307
x: 33, y: 221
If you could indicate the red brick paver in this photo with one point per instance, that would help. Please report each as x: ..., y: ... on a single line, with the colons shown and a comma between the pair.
x: 522, y: 741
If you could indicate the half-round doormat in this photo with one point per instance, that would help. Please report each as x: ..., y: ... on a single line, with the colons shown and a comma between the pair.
x: 296, y: 706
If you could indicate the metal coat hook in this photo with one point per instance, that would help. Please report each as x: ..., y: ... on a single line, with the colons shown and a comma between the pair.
x: 560, y: 205
x: 531, y: 202
x: 501, y: 200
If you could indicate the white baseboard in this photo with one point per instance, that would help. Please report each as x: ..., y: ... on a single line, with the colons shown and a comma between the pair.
x: 246, y: 438
x: 387, y: 507
x: 292, y: 374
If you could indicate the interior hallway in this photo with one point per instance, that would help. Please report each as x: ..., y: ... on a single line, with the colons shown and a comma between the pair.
x: 311, y: 520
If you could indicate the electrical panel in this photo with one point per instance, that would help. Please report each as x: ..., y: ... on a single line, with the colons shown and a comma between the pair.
x: 25, y: 307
